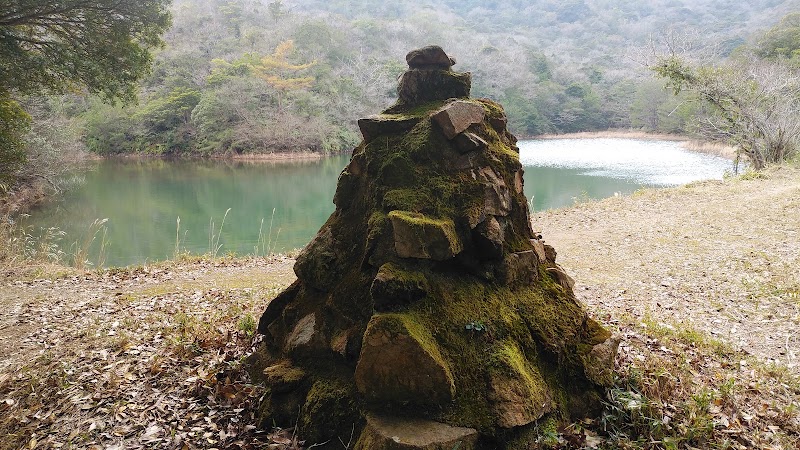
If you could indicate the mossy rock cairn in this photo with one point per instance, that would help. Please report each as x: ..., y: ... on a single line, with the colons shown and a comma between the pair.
x: 426, y: 313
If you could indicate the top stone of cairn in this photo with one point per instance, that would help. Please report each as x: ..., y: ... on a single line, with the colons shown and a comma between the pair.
x: 431, y: 57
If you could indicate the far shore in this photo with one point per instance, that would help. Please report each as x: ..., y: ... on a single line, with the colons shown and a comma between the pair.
x: 275, y: 156
x: 30, y: 196
x: 689, y: 143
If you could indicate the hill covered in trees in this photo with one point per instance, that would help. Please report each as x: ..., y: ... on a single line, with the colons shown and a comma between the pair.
x: 249, y: 76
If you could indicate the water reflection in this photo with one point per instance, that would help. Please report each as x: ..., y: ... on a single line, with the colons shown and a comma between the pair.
x: 143, y: 200
x: 560, y: 171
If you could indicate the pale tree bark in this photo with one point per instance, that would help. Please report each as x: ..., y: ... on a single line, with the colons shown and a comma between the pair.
x: 755, y: 103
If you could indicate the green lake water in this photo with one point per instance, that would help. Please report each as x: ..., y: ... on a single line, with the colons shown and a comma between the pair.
x: 143, y: 200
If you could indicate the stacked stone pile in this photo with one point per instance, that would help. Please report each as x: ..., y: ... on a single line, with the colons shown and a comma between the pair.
x: 426, y: 313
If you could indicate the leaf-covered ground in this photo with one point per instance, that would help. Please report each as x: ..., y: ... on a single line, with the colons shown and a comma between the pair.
x: 149, y: 357
x: 701, y: 283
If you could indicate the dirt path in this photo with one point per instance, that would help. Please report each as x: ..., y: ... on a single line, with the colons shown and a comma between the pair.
x: 147, y: 357
x: 35, y: 315
x: 722, y: 258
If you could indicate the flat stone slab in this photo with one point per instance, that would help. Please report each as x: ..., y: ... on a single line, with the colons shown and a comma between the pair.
x: 455, y: 117
x: 430, y: 57
x: 393, y: 433
x: 374, y: 126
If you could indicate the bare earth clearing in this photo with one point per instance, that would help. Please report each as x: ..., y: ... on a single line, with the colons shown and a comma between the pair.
x: 701, y: 282
x: 721, y: 258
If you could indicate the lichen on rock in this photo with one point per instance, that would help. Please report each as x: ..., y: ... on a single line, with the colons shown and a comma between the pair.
x: 426, y: 298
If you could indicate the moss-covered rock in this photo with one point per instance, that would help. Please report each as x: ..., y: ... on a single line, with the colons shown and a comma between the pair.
x: 426, y: 297
x: 455, y: 117
x: 283, y: 377
x: 518, y: 391
x: 417, y: 236
x: 394, y: 287
x: 374, y: 126
x: 400, y: 363
x: 425, y: 85
x: 330, y: 411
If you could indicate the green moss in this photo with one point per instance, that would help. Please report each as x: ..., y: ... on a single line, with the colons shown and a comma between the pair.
x: 283, y: 374
x: 596, y: 333
x: 493, y: 109
x: 418, y: 236
x: 458, y: 304
x: 415, y: 200
x: 418, y: 175
x: 422, y: 224
x: 517, y: 374
x: 395, y: 169
x: 556, y: 324
x: 395, y: 286
x: 407, y: 323
x: 404, y: 275
x: 508, y: 357
x: 547, y: 432
x: 376, y: 224
x: 330, y: 412
x: 425, y: 109
x: 426, y: 148
x: 519, y: 325
x: 418, y: 219
x: 500, y: 147
x: 517, y: 242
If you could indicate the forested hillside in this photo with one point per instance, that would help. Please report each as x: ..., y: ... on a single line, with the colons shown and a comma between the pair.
x: 245, y: 76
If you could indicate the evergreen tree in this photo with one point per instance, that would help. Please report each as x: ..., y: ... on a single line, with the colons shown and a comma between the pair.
x: 56, y: 46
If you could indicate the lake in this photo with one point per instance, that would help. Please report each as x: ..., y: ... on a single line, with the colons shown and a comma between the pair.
x: 143, y: 200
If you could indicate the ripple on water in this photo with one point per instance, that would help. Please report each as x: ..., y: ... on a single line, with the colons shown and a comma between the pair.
x: 648, y: 162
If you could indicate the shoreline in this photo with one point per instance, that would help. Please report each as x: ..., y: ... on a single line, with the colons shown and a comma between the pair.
x: 29, y: 197
x: 269, y: 157
x: 599, y: 242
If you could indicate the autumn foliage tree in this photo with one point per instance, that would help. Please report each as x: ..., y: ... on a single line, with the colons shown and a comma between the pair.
x: 281, y: 74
